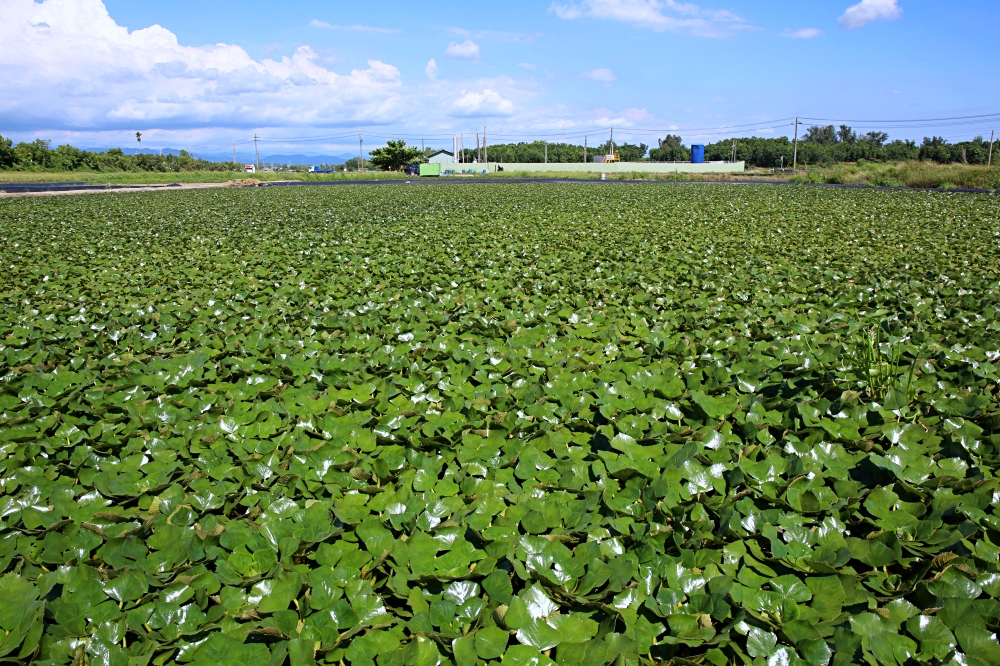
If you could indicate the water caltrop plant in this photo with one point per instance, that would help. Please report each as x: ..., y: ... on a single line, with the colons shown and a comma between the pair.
x: 481, y: 424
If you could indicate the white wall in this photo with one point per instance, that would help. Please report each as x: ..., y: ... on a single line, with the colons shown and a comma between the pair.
x: 591, y: 167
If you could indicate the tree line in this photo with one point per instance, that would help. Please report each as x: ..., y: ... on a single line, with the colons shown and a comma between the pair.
x: 537, y: 152
x: 40, y: 156
x: 819, y: 146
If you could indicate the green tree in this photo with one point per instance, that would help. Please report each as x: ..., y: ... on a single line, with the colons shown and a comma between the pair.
x: 670, y: 149
x: 67, y: 158
x: 33, y: 155
x: 395, y: 156
x: 628, y: 152
x: 878, y: 138
x: 7, y: 156
x: 846, y: 135
x: 821, y: 135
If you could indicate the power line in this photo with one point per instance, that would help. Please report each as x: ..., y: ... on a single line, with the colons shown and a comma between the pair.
x: 911, y: 120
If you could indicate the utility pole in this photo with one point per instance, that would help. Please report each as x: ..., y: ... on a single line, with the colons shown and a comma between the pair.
x: 795, y: 155
x: 585, y: 150
x: 461, y: 146
x: 234, y: 152
x: 486, y: 154
x: 990, y: 163
x: 479, y: 152
x: 256, y: 153
x: 611, y: 142
x: 361, y: 153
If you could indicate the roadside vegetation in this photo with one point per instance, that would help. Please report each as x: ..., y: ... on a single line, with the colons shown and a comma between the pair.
x: 906, y: 174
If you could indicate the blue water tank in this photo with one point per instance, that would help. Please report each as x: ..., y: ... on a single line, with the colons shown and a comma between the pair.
x: 697, y: 154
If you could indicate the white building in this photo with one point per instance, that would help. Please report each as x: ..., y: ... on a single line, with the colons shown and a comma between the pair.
x: 441, y: 157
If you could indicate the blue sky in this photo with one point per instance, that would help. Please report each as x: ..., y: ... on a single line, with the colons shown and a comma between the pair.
x: 308, y: 75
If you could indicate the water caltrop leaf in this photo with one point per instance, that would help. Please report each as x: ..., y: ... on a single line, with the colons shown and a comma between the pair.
x: 222, y: 649
x: 574, y: 628
x: 275, y: 594
x: 517, y: 614
x: 716, y: 407
x: 978, y: 643
x: 540, y: 634
x: 20, y: 600
x: 464, y: 649
x: 491, y: 642
x: 421, y: 652
x: 760, y: 643
x: 498, y: 586
x: 526, y: 655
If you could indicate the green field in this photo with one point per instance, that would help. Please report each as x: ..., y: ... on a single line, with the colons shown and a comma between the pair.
x: 588, y: 424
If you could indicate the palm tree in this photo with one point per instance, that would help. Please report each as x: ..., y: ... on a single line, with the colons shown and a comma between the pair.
x: 138, y: 137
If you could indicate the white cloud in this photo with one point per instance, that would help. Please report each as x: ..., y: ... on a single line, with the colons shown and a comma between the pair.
x: 316, y: 23
x: 867, y: 11
x: 602, y: 74
x: 467, y: 50
x: 527, y: 65
x: 804, y: 33
x: 67, y: 64
x: 480, y: 104
x: 568, y: 12
x: 498, y: 36
x: 659, y: 15
x: 431, y: 69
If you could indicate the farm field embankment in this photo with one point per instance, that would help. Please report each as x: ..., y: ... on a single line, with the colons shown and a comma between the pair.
x: 422, y: 426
